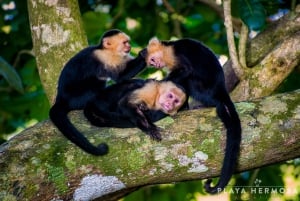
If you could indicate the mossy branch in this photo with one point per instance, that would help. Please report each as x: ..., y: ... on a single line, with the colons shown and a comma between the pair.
x: 40, y: 163
x: 272, y: 55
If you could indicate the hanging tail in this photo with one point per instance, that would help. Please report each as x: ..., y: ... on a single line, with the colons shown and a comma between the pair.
x: 227, y: 113
x: 59, y: 117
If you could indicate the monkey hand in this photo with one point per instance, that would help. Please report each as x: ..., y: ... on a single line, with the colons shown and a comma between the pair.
x: 155, y: 134
x: 142, y: 107
x: 143, y: 52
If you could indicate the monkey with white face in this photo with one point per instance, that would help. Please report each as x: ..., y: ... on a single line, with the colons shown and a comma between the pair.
x: 85, y: 75
x: 196, y: 68
x: 135, y: 103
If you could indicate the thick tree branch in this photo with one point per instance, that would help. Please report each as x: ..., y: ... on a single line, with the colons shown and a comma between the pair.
x: 274, y: 48
x: 272, y: 70
x: 276, y: 32
x: 40, y: 163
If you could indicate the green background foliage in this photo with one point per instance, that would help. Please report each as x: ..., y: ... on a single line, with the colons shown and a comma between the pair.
x: 23, y: 101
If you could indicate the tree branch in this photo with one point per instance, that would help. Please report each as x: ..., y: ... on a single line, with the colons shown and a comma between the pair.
x: 272, y: 70
x: 276, y: 32
x: 242, y: 46
x: 41, y: 164
x: 264, y: 50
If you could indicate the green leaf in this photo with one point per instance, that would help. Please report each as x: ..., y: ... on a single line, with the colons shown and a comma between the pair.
x: 252, y: 13
x: 11, y: 76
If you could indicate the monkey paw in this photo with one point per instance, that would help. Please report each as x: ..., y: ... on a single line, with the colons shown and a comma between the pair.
x: 142, y: 107
x: 143, y: 52
x: 155, y: 135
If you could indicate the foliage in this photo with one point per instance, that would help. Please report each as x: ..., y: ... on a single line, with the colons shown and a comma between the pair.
x: 22, y: 99
x: 252, y: 13
x: 10, y: 75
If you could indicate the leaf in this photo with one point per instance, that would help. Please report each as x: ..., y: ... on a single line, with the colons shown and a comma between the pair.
x: 252, y: 13
x: 10, y: 75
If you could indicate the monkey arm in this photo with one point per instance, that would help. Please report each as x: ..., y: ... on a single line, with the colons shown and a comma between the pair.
x: 154, y: 115
x: 100, y: 116
x: 136, y: 114
x: 133, y: 67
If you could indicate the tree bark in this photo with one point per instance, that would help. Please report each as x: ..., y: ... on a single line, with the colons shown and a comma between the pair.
x: 40, y: 164
x: 271, y: 56
x: 57, y: 34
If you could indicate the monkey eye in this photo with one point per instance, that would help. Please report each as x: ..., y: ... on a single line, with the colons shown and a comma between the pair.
x: 170, y: 96
x: 176, y: 101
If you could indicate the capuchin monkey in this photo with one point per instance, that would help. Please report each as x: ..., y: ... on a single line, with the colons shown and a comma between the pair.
x: 135, y: 103
x: 196, y: 68
x: 85, y: 75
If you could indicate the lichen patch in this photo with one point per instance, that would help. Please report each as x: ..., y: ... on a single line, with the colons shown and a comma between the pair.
x: 95, y: 186
x: 195, y: 163
x: 273, y: 106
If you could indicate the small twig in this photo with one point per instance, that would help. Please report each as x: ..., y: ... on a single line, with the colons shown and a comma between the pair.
x: 293, y: 5
x: 30, y: 52
x: 230, y: 39
x: 176, y: 21
x: 119, y: 13
x: 168, y: 6
x: 242, y: 46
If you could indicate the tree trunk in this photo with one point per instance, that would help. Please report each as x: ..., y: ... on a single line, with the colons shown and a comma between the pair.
x: 40, y: 164
x: 57, y: 34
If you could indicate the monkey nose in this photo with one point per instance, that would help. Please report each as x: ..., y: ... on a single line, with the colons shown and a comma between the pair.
x: 152, y: 61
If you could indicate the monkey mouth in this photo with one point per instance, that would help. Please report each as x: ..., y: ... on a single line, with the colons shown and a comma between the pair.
x: 167, y: 108
x: 158, y: 65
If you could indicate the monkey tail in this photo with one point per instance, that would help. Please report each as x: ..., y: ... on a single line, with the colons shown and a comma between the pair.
x: 59, y: 116
x: 227, y: 113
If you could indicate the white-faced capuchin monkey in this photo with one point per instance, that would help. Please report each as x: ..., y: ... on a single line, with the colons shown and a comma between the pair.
x: 135, y: 103
x: 196, y: 68
x: 85, y: 75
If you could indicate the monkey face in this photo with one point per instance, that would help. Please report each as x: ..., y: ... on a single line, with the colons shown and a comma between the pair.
x: 122, y: 43
x: 155, y: 54
x: 155, y: 59
x: 118, y: 43
x: 160, y: 55
x: 171, y: 100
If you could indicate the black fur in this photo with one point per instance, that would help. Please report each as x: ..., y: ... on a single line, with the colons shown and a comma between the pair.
x: 112, y: 108
x: 81, y: 79
x: 200, y: 74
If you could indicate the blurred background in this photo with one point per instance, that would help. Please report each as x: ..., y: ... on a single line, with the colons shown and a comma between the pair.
x: 23, y: 102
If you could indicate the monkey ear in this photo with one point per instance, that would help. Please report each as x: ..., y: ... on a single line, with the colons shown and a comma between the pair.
x: 154, y: 41
x: 106, y: 43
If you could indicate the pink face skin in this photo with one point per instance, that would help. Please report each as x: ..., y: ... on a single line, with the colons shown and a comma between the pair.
x: 127, y: 46
x: 169, y: 102
x: 156, y: 59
